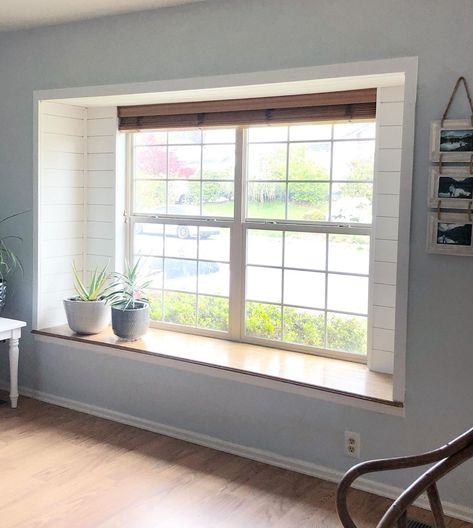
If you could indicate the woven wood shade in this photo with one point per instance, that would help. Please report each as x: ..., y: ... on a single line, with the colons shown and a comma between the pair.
x: 332, y: 106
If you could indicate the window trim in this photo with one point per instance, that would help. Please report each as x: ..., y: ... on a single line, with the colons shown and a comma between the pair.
x: 239, y: 225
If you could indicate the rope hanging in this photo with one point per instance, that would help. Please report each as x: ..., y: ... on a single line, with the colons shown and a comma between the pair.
x: 450, y: 101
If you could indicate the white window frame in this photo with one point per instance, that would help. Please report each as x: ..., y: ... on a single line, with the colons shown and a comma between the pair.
x: 239, y: 226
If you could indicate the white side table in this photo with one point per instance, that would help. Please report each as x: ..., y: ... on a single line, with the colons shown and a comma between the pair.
x: 11, y: 330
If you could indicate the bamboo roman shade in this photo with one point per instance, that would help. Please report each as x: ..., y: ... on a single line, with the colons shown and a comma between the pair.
x: 332, y: 106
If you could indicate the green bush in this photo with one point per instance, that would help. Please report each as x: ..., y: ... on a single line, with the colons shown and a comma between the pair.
x: 302, y: 326
x: 179, y: 308
x: 213, y: 313
x: 347, y: 333
x: 263, y: 320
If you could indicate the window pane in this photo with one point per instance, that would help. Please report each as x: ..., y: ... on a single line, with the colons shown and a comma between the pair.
x: 180, y: 275
x: 214, y: 278
x: 151, y: 162
x: 218, y: 162
x: 148, y: 239
x: 213, y: 313
x: 352, y: 202
x: 178, y: 245
x: 150, y: 196
x: 347, y: 333
x: 306, y: 327
x: 180, y: 308
x: 305, y: 250
x: 150, y: 138
x: 264, y: 247
x: 155, y: 298
x: 310, y: 132
x: 219, y: 135
x: 180, y: 137
x: 309, y: 161
x: 347, y: 294
x: 267, y: 133
x: 263, y: 284
x: 353, y: 160
x: 263, y: 320
x: 214, y: 243
x: 153, y: 267
x: 267, y: 200
x: 267, y: 161
x: 304, y: 288
x: 184, y: 198
x: 349, y: 253
x: 354, y: 130
x: 184, y: 162
x: 217, y: 199
x: 308, y: 201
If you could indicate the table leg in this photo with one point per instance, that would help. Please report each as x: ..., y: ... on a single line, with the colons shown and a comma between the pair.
x: 14, y: 352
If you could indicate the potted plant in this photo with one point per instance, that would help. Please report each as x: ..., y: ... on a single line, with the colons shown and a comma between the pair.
x: 9, y: 261
x: 87, y: 312
x: 130, y: 308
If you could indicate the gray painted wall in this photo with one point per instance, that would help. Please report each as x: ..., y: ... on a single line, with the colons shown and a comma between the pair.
x: 220, y: 37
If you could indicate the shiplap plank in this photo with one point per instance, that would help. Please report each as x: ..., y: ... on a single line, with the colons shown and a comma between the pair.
x: 62, y: 248
x: 64, y: 110
x: 385, y: 250
x: 62, y: 125
x: 54, y: 265
x: 101, y: 112
x: 391, y: 113
x: 62, y: 143
x: 62, y: 160
x: 100, y: 213
x: 102, y: 127
x: 387, y: 205
x: 102, y: 161
x: 100, y: 230
x: 384, y: 317
x: 383, y: 339
x: 389, y: 160
x: 94, y: 262
x: 391, y: 94
x: 61, y: 178
x: 63, y: 196
x: 100, y: 196
x: 385, y: 273
x: 387, y: 228
x: 101, y: 144
x: 101, y: 179
x: 384, y: 295
x: 62, y: 230
x: 100, y: 246
x: 382, y: 361
x: 62, y: 213
x: 390, y: 137
x: 388, y: 182
x: 59, y: 281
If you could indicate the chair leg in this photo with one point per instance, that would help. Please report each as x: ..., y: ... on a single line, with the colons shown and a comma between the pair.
x: 436, y: 506
x: 402, y: 522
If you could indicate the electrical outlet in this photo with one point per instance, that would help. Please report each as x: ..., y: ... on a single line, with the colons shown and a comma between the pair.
x: 352, y: 444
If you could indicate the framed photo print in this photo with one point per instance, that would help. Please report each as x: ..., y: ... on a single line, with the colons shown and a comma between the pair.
x: 453, y: 186
x: 451, y: 234
x: 454, y: 140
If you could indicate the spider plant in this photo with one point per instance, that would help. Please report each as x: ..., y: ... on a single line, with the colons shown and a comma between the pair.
x: 9, y: 261
x: 127, y: 289
x: 95, y: 289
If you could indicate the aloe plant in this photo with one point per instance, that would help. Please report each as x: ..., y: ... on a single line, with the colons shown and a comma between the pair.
x: 95, y: 289
x: 9, y: 261
x: 128, y: 288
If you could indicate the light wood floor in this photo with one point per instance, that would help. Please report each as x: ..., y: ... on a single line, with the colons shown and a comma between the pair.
x: 63, y: 469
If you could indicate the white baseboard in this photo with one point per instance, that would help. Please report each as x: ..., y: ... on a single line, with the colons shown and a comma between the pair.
x: 456, y: 511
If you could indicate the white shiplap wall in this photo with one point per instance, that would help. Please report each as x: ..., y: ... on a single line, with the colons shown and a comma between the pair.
x: 77, y: 200
x: 386, y: 223
x: 61, y: 193
x: 101, y: 187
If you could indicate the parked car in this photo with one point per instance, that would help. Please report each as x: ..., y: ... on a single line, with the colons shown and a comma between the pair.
x: 180, y: 231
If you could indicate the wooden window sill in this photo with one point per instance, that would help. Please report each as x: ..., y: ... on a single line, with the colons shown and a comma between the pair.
x: 334, y: 376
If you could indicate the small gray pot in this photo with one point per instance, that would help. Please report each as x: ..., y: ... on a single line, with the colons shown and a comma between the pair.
x: 3, y: 295
x: 132, y: 323
x: 87, y: 317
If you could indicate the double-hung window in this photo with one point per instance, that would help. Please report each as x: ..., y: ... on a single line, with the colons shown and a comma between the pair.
x: 257, y: 232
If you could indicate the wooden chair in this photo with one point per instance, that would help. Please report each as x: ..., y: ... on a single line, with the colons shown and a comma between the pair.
x: 445, y: 458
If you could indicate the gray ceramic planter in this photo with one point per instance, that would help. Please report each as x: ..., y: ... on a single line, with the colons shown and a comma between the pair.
x: 87, y: 317
x: 132, y: 323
